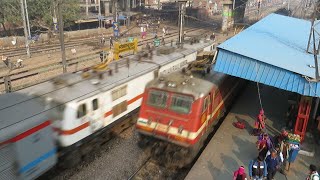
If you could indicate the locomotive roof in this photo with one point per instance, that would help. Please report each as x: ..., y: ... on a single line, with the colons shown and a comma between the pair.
x: 24, y: 105
x: 192, y: 84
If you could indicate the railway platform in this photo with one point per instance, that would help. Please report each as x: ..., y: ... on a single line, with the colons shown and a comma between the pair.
x: 231, y: 147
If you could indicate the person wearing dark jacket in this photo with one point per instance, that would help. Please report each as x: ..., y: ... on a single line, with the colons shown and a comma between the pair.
x: 258, y: 168
x: 273, y: 164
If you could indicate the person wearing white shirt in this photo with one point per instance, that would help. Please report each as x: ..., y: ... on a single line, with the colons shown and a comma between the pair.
x: 313, y: 175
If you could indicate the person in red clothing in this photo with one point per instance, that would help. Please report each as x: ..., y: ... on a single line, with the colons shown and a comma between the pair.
x: 264, y: 145
x: 240, y: 174
x: 260, y: 123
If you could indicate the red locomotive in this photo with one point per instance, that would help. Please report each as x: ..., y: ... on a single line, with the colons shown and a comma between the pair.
x: 182, y: 109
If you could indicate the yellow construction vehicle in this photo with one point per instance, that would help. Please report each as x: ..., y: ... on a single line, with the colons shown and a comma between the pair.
x: 203, y: 63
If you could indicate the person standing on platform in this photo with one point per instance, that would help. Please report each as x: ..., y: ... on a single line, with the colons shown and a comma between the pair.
x: 240, y: 174
x: 264, y: 144
x: 273, y: 164
x: 260, y: 123
x: 313, y: 174
x: 282, y: 160
x: 258, y: 169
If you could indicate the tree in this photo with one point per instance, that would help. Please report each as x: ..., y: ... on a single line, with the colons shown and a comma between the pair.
x: 9, y: 13
x: 41, y: 12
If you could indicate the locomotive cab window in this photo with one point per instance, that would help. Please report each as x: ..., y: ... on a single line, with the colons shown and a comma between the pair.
x: 82, y: 111
x: 95, y: 104
x: 181, y: 103
x: 157, y: 98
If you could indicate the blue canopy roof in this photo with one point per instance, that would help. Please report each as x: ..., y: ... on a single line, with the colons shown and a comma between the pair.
x: 272, y: 52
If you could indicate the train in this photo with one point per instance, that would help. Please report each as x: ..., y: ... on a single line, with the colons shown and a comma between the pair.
x: 59, y: 121
x: 179, y: 111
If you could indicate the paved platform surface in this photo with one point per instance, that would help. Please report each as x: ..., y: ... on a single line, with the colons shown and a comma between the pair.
x: 231, y: 147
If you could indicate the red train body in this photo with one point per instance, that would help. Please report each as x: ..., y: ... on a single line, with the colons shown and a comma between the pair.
x: 182, y: 109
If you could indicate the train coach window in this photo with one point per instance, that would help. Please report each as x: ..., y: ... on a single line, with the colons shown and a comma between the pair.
x: 82, y: 111
x: 95, y: 104
x: 181, y: 104
x: 157, y: 98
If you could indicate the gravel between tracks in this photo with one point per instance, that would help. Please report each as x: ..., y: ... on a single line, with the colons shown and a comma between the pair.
x: 117, y: 159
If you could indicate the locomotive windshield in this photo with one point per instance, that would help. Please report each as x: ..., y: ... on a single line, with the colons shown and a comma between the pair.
x: 181, y: 103
x: 158, y: 98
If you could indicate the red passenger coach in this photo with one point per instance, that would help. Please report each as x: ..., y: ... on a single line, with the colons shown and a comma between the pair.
x: 182, y: 109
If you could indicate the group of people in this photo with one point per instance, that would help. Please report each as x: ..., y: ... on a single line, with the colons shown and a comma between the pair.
x: 273, y: 154
x: 103, y: 41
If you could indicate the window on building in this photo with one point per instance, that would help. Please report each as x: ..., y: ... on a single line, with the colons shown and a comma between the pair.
x: 82, y: 111
x: 181, y: 103
x: 157, y: 98
x: 95, y: 104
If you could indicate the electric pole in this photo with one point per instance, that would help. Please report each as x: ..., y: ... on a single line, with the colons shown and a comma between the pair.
x: 128, y: 13
x: 115, y: 10
x: 63, y: 50
x: 25, y: 29
x: 181, y: 20
x: 27, y: 16
x: 100, y: 19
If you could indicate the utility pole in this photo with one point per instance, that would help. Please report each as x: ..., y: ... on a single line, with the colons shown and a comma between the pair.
x: 27, y: 16
x: 128, y: 13
x: 87, y: 8
x: 63, y: 50
x: 181, y: 20
x: 25, y: 28
x: 100, y: 19
x: 115, y: 10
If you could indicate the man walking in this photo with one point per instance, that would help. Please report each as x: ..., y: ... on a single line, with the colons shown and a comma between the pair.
x: 257, y: 169
x: 273, y: 164
x: 111, y: 43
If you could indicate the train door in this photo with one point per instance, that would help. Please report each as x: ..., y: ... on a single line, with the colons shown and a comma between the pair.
x: 95, y: 113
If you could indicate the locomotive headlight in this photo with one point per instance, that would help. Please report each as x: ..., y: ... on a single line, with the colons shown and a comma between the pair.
x: 180, y: 129
x: 149, y: 121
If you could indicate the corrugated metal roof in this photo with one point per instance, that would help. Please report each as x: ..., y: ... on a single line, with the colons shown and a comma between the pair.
x: 248, y: 68
x: 276, y: 40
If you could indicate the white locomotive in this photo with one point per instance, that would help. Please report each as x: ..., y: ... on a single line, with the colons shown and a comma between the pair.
x: 82, y: 106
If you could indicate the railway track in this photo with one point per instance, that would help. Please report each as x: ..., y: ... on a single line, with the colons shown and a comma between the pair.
x: 55, y: 46
x: 74, y: 61
x: 157, y: 168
